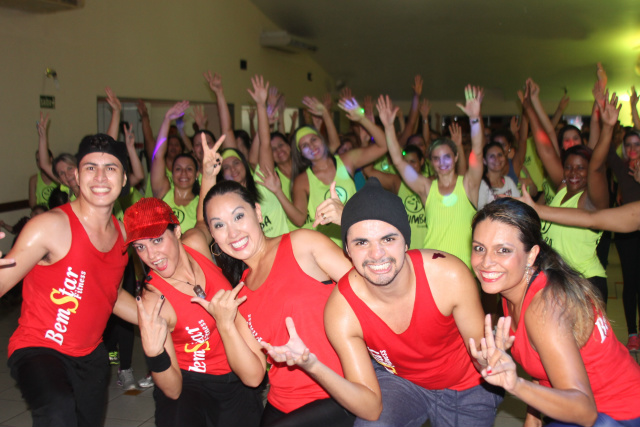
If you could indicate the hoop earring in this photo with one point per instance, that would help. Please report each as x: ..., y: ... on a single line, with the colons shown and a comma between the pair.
x: 212, y: 248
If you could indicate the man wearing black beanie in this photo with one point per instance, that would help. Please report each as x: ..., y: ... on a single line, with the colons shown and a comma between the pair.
x: 413, y: 312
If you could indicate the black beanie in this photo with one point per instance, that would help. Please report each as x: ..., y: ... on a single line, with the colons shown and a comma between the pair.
x: 372, y: 202
x: 101, y: 143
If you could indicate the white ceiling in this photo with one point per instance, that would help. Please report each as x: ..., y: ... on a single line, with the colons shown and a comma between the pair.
x: 378, y: 46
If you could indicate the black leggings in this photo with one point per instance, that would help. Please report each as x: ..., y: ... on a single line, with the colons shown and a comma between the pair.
x: 628, y: 245
x: 321, y: 413
x: 210, y: 401
x: 62, y: 390
x: 118, y: 334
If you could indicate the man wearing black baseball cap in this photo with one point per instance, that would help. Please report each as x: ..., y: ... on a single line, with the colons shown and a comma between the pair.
x: 72, y: 263
x: 413, y: 312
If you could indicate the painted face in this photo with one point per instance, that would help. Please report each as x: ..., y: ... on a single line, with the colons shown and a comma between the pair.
x: 377, y: 250
x: 101, y: 178
x: 571, y: 138
x: 576, y: 169
x: 442, y: 159
x: 312, y: 147
x: 173, y: 147
x: 632, y: 147
x: 161, y: 253
x: 418, y: 141
x: 281, y: 150
x: 184, y: 173
x: 235, y: 225
x: 414, y: 161
x: 233, y: 170
x: 495, y: 159
x: 198, y: 151
x: 498, y: 257
x: 67, y: 173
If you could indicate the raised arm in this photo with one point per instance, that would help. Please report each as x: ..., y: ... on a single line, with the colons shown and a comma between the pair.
x: 544, y: 146
x: 147, y: 132
x: 562, y: 105
x: 413, y: 112
x: 414, y: 180
x: 199, y: 236
x: 597, y: 184
x: 633, y: 103
x: 318, y: 109
x: 368, y: 153
x: 259, y: 94
x: 425, y: 109
x: 456, y: 137
x: 521, y: 144
x: 137, y: 173
x: 44, y: 161
x: 215, y: 84
x: 543, y: 118
x: 116, y: 109
x: 159, y: 181
x: 472, y: 178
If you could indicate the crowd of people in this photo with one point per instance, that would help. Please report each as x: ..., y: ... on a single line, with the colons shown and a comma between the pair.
x: 386, y: 276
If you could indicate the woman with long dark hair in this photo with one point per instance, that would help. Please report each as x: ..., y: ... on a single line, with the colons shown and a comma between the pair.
x: 582, y: 375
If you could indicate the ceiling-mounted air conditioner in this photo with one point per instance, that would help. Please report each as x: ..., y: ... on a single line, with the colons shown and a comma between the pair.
x: 282, y: 40
x: 43, y: 6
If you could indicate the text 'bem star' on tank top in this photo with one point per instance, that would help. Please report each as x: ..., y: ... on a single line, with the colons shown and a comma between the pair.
x: 613, y: 374
x: 67, y: 304
x: 430, y: 353
x: 195, y: 337
x: 289, y: 292
x: 449, y: 221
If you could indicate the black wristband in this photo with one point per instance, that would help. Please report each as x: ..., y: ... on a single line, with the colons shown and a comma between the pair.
x: 474, y: 121
x: 159, y: 363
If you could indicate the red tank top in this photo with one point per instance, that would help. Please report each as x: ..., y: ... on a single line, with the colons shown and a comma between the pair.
x: 430, y: 353
x: 290, y: 292
x: 613, y: 375
x: 195, y: 337
x: 67, y: 304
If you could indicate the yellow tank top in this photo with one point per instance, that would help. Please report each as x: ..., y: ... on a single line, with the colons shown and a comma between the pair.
x: 415, y: 212
x: 449, y: 221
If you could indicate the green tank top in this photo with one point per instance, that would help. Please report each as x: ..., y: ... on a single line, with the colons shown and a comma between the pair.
x: 43, y: 191
x: 124, y: 202
x: 533, y: 164
x: 415, y: 212
x: 384, y: 164
x: 67, y: 190
x: 285, y: 183
x: 549, y: 191
x: 148, y: 192
x: 449, y: 221
x: 577, y: 246
x: 274, y: 218
x: 319, y: 192
x: 187, y: 215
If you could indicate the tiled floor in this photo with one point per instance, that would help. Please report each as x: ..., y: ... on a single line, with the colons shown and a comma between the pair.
x: 136, y: 408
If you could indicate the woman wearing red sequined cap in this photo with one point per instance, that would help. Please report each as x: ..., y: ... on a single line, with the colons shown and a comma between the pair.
x: 195, y: 384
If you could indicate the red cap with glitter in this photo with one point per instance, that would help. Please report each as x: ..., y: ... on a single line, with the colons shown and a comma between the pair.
x: 148, y: 218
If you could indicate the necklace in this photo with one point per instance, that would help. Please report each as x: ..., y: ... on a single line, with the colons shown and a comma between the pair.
x: 196, y: 288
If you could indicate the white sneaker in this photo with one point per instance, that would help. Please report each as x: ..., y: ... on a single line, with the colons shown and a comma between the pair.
x: 126, y: 380
x: 146, y: 382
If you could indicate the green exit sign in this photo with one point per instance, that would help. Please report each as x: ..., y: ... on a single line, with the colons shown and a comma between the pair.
x: 47, y: 101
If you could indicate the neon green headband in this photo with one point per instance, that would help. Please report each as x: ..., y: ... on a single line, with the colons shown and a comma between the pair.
x: 304, y: 131
x: 230, y: 153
